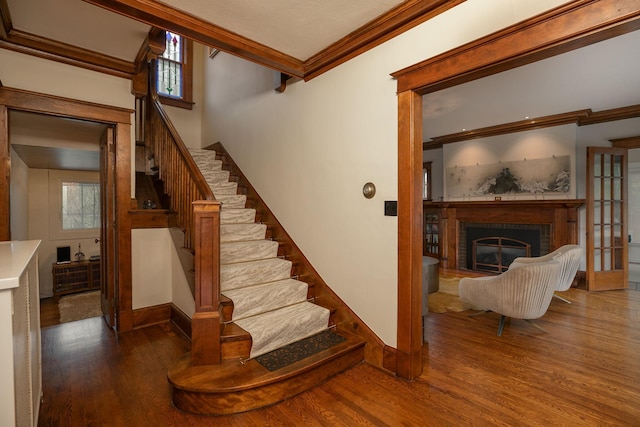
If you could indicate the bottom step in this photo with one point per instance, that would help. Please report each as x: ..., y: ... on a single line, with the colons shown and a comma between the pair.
x: 233, y: 387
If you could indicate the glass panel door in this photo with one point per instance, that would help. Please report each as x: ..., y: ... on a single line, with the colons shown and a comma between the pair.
x: 607, y: 246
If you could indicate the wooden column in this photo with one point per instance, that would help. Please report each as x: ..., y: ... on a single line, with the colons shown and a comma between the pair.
x: 409, y: 345
x: 206, y: 324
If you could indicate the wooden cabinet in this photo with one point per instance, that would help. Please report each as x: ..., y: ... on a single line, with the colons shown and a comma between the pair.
x: 74, y: 277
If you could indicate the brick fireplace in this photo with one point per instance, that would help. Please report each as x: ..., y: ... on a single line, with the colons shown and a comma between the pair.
x: 545, y: 225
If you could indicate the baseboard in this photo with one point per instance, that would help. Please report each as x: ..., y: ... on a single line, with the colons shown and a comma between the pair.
x: 181, y: 321
x: 147, y: 316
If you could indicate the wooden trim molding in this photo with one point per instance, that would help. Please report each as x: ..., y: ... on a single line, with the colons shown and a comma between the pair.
x: 119, y: 118
x: 163, y: 16
x: 407, y: 15
x: 565, y: 28
x: 581, y: 118
x: 540, y: 37
x: 152, y: 218
x: 630, y: 142
x: 396, y: 21
x: 147, y: 316
x: 53, y: 50
x: 63, y: 107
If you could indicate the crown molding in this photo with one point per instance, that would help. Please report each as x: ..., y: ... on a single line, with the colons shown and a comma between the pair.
x: 579, y: 117
x: 394, y: 22
x: 42, y: 47
x: 162, y: 16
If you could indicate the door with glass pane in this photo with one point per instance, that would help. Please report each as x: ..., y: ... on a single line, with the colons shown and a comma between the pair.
x: 607, y: 245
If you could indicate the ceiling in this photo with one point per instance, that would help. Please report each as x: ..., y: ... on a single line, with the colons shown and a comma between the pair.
x: 306, y: 37
x: 72, y: 30
x: 601, y: 76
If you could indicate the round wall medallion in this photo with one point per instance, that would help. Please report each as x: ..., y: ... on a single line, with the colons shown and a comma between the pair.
x: 369, y: 190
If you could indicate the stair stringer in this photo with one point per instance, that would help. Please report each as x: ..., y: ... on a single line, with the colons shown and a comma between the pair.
x: 344, y: 319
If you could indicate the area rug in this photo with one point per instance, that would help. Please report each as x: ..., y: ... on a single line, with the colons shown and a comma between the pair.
x: 79, y: 306
x: 296, y: 351
x: 446, y: 299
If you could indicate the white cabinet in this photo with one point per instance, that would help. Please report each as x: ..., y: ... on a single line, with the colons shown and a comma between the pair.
x: 20, y: 349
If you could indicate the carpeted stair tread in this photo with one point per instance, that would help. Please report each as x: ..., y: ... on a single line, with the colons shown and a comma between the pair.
x: 254, y: 300
x: 237, y: 215
x: 235, y: 201
x: 278, y: 328
x: 238, y: 232
x: 252, y: 250
x: 226, y: 187
x: 238, y: 275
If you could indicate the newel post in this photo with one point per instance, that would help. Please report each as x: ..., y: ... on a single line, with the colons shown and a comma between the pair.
x: 206, y: 323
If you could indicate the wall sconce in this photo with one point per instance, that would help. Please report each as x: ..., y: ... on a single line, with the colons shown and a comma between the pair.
x: 369, y: 190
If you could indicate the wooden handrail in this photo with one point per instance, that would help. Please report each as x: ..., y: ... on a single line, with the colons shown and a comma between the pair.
x: 198, y: 214
x: 182, y: 179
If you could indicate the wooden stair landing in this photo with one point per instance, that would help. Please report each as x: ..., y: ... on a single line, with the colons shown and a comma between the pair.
x: 233, y: 387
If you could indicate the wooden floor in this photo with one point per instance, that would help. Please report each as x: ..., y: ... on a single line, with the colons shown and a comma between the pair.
x: 584, y: 372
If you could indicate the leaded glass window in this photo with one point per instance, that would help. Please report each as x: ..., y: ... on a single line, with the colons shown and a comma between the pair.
x: 170, y: 67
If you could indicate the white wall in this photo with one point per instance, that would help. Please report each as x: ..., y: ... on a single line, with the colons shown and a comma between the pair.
x: 309, y: 151
x: 18, y: 199
x: 151, y: 267
x: 157, y: 272
x: 39, y: 213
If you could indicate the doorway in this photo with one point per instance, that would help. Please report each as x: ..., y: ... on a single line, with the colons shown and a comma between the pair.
x: 118, y: 246
x: 563, y: 29
x: 55, y: 198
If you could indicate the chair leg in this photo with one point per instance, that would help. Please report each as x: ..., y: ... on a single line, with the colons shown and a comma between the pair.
x: 478, y: 313
x: 535, y: 325
x: 501, y: 325
x: 563, y: 299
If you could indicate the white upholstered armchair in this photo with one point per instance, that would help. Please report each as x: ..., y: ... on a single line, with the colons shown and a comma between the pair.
x: 521, y: 293
x: 568, y: 256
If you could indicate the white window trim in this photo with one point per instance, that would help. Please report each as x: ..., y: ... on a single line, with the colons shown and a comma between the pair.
x: 56, y: 177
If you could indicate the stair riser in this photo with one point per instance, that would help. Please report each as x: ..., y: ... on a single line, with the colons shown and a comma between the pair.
x: 260, y: 299
x: 247, y: 251
x: 237, y: 349
x: 214, y: 177
x: 234, y: 276
x: 220, y: 188
x: 237, y: 216
x: 232, y: 201
x: 237, y: 233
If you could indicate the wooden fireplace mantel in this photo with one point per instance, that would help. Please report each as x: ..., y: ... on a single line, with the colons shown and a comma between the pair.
x: 561, y: 215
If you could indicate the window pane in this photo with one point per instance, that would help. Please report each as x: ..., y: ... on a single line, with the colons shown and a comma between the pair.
x: 169, y: 73
x: 80, y: 205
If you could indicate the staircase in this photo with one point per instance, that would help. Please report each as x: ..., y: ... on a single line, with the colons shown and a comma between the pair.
x: 264, y: 309
x: 265, y: 301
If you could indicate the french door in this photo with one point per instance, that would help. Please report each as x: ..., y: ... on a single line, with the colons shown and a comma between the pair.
x: 607, y: 244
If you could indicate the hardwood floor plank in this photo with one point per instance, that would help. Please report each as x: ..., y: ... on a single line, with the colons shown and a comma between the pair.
x: 584, y: 371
